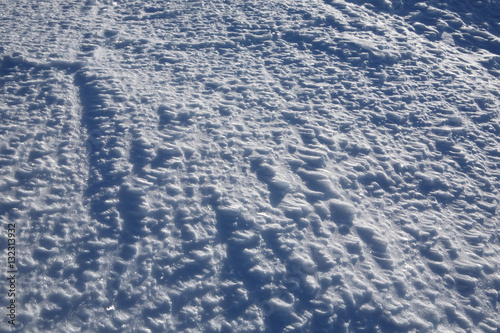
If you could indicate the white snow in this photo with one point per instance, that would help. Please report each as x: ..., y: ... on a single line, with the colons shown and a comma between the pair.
x: 251, y: 166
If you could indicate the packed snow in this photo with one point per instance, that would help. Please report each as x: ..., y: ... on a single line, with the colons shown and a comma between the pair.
x: 250, y: 166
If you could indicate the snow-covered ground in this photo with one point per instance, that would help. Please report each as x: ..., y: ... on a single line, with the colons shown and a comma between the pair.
x: 250, y: 166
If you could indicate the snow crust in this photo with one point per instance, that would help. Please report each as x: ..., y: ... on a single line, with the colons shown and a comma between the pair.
x: 252, y: 166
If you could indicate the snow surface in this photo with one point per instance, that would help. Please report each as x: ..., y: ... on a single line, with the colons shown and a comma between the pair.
x: 251, y: 166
